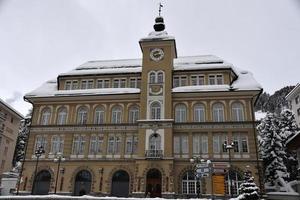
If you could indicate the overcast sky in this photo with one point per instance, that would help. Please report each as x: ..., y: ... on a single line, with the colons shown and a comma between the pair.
x: 40, y: 39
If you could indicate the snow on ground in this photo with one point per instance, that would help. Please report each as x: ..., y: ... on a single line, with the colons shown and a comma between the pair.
x: 260, y: 115
x: 81, y: 197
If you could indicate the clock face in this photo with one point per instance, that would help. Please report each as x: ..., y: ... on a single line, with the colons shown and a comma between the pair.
x: 156, y: 54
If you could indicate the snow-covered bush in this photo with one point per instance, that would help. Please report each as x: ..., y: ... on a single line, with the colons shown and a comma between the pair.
x: 248, y: 189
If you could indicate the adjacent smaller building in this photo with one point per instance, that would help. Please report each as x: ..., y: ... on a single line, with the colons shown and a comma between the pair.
x: 294, y: 102
x: 9, y: 129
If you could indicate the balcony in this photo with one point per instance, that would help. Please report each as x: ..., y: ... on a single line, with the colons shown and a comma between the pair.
x: 154, y: 154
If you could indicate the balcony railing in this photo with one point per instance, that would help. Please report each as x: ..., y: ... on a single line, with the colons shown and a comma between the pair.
x: 154, y: 154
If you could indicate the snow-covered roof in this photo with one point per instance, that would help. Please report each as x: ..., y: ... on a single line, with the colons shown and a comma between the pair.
x: 158, y: 35
x: 49, y: 89
x: 244, y: 80
x: 202, y: 62
x: 9, y: 107
x: 294, y: 91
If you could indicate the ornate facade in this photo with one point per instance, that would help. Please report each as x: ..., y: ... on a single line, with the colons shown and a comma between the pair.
x: 130, y: 127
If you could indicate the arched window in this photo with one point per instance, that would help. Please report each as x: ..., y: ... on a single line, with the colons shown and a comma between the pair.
x: 99, y: 117
x: 116, y: 115
x: 82, y: 115
x: 237, y: 111
x: 180, y: 113
x: 45, y: 117
x: 133, y: 114
x: 152, y: 77
x: 218, y: 112
x: 160, y: 77
x: 189, y: 183
x: 199, y: 113
x: 62, y: 116
x: 155, y: 110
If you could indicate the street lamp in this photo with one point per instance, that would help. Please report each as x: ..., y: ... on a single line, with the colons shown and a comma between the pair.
x: 58, y: 158
x: 38, y: 153
x: 228, y: 148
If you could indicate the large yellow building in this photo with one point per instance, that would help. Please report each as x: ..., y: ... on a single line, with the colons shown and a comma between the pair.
x: 130, y: 127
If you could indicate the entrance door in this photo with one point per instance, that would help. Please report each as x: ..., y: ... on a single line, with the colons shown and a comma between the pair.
x: 153, y: 187
x: 42, y: 183
x: 82, y: 183
x: 120, y: 184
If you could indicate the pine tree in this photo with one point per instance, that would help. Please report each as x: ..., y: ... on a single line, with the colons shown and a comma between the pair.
x: 288, y: 128
x: 19, y: 153
x: 248, y: 189
x: 272, y: 149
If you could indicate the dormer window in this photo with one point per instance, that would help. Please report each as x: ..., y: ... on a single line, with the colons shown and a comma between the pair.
x: 216, y: 79
x: 197, y: 80
x: 87, y: 84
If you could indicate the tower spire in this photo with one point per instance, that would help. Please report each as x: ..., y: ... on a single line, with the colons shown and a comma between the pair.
x: 159, y: 9
x: 159, y: 21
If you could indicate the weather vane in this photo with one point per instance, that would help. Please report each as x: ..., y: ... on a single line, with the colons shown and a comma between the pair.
x: 159, y: 9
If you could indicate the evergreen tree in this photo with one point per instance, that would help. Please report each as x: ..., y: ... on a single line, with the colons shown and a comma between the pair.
x: 248, y: 189
x: 19, y: 153
x: 288, y: 128
x: 272, y: 149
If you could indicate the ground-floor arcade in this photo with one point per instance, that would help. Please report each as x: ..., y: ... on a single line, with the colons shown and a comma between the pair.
x: 138, y: 178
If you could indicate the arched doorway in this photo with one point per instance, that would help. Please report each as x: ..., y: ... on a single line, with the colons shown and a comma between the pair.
x: 83, y: 182
x: 42, y: 183
x: 153, y: 186
x: 120, y: 184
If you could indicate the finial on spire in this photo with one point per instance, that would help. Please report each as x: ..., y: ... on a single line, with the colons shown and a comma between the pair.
x: 159, y: 9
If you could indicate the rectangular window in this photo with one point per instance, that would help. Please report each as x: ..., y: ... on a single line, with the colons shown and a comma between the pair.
x: 57, y: 143
x: 100, y: 83
x: 5, y: 151
x: 176, y: 82
x: 216, y: 143
x: 114, y: 144
x: 78, y: 145
x: 240, y: 141
x: 68, y: 85
x: 176, y: 144
x: 200, y: 143
x: 116, y: 83
x: 90, y: 84
x: 123, y: 83
x: 184, y: 144
x: 183, y: 81
x: 131, y: 144
x: 211, y: 80
x: 194, y: 80
x: 84, y: 84
x: 219, y: 142
x: 96, y: 144
x: 40, y: 141
x: 106, y: 83
x: 220, y: 80
x: 181, y: 144
x: 133, y: 83
x: 74, y: 85
x: 197, y: 80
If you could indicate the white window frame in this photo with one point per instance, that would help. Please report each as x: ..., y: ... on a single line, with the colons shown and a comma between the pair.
x: 200, y: 143
x: 78, y: 144
x: 45, y: 116
x: 180, y: 113
x: 96, y: 144
x: 62, y: 116
x: 99, y: 116
x: 82, y: 115
x: 116, y: 115
x: 155, y: 111
x: 218, y: 112
x: 199, y: 112
x: 57, y: 144
x: 237, y: 111
x: 133, y: 114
